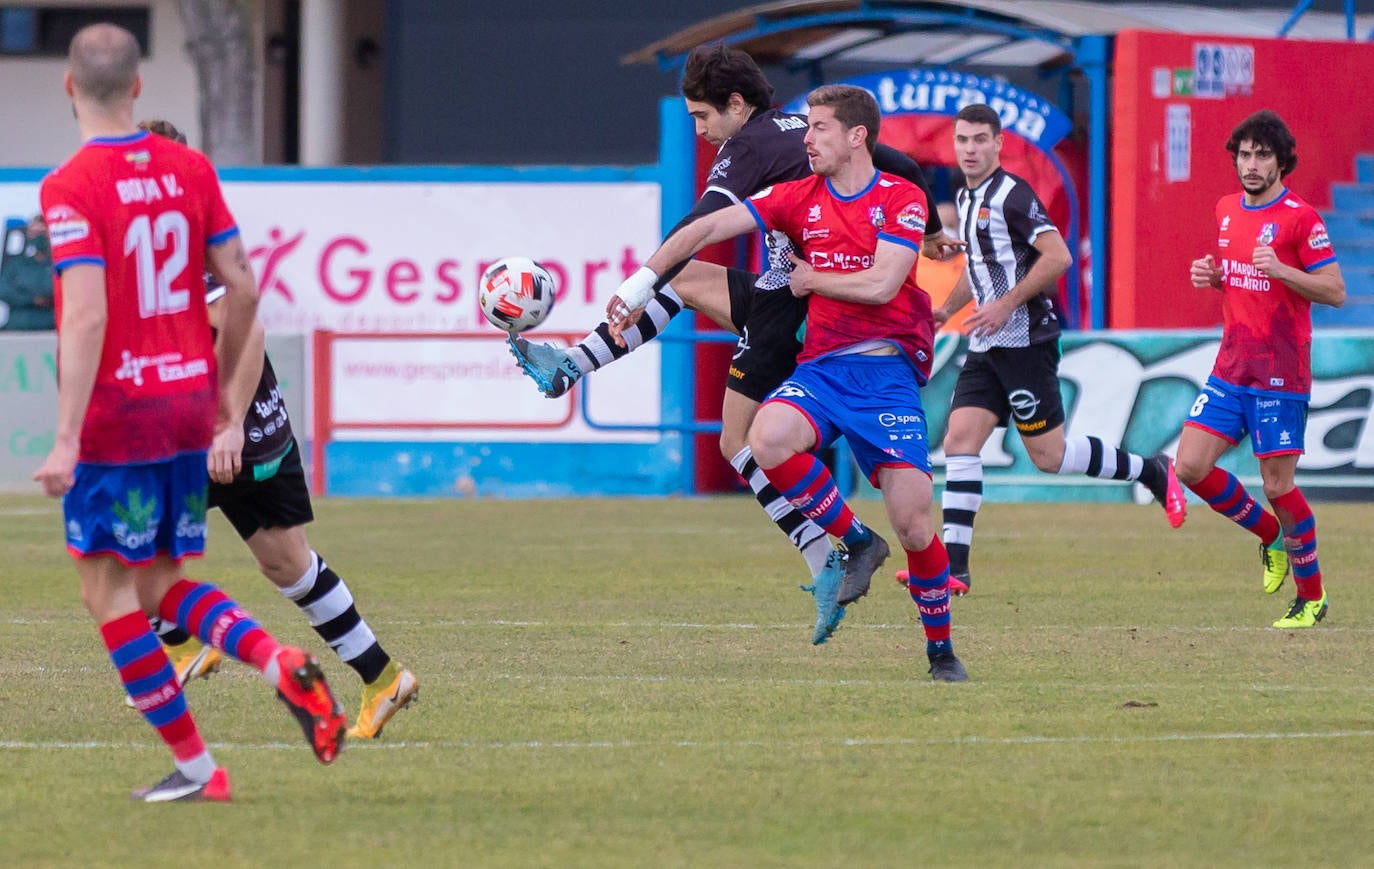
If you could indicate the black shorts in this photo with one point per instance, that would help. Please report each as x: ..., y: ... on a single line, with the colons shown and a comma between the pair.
x: 1018, y: 384
x: 280, y: 501
x: 767, y: 322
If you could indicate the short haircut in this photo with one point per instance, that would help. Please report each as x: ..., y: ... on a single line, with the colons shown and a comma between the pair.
x: 165, y: 129
x: 713, y: 72
x: 104, y: 61
x: 1267, y: 130
x: 980, y: 113
x: 853, y: 107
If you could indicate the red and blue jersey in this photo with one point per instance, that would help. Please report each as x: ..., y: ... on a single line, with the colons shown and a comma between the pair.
x: 145, y: 209
x: 840, y: 234
x: 1266, y: 341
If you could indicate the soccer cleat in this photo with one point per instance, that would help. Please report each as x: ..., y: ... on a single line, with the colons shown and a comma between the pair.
x: 1274, y: 557
x: 958, y: 582
x: 552, y: 370
x: 192, y: 665
x: 383, y: 701
x: 947, y: 668
x: 302, y: 687
x: 1170, y: 494
x: 1303, y: 613
x: 860, y: 563
x: 176, y: 787
x: 827, y: 590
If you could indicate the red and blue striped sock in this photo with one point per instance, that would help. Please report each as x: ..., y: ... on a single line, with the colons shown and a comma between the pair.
x: 214, y: 617
x: 928, y: 583
x: 1226, y: 495
x: 151, y: 682
x: 807, y: 485
x: 1300, y: 538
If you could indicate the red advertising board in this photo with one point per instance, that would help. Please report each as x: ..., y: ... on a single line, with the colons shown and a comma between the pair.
x: 1176, y: 98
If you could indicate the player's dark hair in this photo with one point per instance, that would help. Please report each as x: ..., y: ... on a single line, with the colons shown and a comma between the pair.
x: 1266, y: 130
x: 853, y: 107
x: 713, y: 72
x: 165, y: 129
x: 980, y: 113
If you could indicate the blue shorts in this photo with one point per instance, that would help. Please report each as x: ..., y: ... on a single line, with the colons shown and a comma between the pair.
x: 1276, y: 421
x: 871, y: 400
x: 136, y: 512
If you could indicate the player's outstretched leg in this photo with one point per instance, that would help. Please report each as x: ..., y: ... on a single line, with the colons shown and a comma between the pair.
x: 210, y: 614
x: 959, y: 504
x: 809, y: 538
x: 555, y: 371
x: 1157, y: 474
x: 1088, y: 455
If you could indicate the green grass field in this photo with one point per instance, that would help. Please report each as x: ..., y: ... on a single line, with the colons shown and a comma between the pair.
x: 613, y: 698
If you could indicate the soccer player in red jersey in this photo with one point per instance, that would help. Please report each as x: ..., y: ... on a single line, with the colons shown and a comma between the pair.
x: 1273, y: 260
x: 134, y: 221
x: 866, y: 351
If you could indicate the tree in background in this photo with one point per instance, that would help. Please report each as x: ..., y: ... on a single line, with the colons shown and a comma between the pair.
x: 219, y: 37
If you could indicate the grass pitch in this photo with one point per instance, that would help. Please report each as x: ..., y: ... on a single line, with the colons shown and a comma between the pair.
x: 601, y: 696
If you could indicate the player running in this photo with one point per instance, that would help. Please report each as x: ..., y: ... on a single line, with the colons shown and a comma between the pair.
x: 134, y: 221
x: 730, y: 99
x: 1273, y: 260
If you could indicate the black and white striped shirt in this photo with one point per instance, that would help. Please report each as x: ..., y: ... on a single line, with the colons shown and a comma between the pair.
x: 1001, y: 219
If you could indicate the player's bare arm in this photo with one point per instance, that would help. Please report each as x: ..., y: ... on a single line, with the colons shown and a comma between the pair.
x: 1324, y: 285
x: 636, y: 290
x: 1205, y: 273
x: 958, y: 297
x: 225, y: 459
x: 228, y: 263
x: 1053, y: 261
x: 79, y: 346
x: 877, y: 285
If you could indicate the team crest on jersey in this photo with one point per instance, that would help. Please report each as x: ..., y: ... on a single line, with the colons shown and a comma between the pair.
x: 984, y: 217
x: 720, y: 170
x: 913, y: 217
x: 1268, y: 232
x: 877, y: 217
x: 813, y: 214
x: 1318, y: 239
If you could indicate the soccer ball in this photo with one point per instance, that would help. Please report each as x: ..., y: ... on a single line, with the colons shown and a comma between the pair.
x: 516, y: 293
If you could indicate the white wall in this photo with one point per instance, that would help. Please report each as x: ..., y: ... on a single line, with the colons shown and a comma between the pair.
x: 37, y: 116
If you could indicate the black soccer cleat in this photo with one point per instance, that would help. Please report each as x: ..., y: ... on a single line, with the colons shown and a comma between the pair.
x: 944, y: 667
x: 860, y: 563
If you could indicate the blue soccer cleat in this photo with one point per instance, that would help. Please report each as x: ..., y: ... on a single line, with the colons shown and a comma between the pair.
x: 826, y: 589
x: 552, y: 370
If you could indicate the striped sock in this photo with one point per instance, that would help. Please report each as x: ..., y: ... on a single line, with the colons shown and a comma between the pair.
x: 1085, y: 454
x: 1300, y: 539
x: 599, y: 349
x: 807, y: 536
x: 1226, y: 495
x: 928, y: 582
x: 959, y: 505
x: 807, y: 485
x: 328, y: 605
x: 149, y: 679
x: 219, y: 621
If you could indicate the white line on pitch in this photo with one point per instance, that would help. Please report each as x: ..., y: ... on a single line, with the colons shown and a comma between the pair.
x: 845, y: 742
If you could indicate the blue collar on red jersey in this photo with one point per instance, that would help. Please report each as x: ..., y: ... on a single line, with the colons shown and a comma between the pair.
x: 119, y: 140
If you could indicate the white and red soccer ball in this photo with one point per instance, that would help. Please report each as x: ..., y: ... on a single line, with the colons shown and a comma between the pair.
x: 516, y: 293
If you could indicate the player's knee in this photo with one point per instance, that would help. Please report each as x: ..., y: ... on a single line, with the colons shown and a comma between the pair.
x: 1190, y: 470
x: 731, y: 443
x: 1047, y: 462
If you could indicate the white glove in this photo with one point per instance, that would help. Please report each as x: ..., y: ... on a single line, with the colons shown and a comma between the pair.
x: 638, y: 288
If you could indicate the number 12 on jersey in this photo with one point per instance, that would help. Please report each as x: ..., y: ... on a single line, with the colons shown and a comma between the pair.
x: 145, y: 237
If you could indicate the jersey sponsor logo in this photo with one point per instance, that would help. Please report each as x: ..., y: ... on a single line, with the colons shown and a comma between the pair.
x: 877, y: 216
x: 65, y: 225
x: 913, y: 217
x: 840, y: 260
x: 1276, y: 381
x: 1243, y: 276
x: 1226, y: 223
x: 790, y: 122
x: 1318, y: 239
x: 888, y: 420
x: 813, y: 214
x: 808, y: 234
x: 720, y: 170
x: 1268, y: 232
x: 191, y: 521
x: 170, y: 367
x: 133, y: 526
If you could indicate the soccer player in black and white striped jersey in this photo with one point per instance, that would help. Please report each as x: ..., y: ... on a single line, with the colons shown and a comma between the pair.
x: 1015, y: 258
